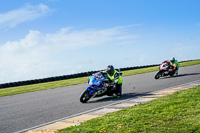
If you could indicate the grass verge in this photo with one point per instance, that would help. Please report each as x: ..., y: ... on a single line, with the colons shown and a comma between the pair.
x: 55, y: 84
x: 176, y: 113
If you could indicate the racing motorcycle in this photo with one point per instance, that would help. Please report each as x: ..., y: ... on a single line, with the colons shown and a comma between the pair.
x: 98, y: 86
x: 165, y: 70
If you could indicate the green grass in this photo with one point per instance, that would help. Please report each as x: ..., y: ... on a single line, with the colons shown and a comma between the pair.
x: 41, y: 86
x: 68, y: 82
x: 176, y: 113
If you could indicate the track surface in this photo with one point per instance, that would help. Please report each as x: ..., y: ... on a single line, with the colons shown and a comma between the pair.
x: 27, y: 110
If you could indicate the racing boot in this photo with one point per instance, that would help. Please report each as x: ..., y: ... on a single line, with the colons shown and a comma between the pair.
x: 118, y: 90
x: 176, y: 72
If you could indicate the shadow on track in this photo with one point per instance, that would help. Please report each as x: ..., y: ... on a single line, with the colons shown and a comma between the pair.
x: 180, y: 75
x: 123, y: 97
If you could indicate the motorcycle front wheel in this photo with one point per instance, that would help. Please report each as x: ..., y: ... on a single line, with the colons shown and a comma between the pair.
x: 85, y: 96
x: 158, y: 75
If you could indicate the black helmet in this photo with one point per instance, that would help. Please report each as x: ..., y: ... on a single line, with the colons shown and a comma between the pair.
x: 172, y: 60
x: 110, y: 70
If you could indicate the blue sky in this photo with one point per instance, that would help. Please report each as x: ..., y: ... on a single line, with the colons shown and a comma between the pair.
x: 44, y: 38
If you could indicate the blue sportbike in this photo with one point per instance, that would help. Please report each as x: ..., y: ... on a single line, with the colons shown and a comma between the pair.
x: 98, y: 86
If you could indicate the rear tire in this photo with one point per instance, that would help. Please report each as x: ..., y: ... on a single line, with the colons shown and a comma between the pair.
x: 158, y: 75
x: 171, y: 75
x: 85, y: 96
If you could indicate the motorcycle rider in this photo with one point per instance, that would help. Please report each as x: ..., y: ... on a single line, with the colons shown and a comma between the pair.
x: 115, y: 78
x: 174, y: 63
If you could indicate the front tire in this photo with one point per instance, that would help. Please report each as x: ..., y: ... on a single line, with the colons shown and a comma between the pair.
x: 85, y: 96
x: 158, y: 75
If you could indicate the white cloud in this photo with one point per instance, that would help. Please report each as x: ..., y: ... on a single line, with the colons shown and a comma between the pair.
x: 87, y: 61
x: 39, y: 55
x: 27, y: 13
x: 142, y: 58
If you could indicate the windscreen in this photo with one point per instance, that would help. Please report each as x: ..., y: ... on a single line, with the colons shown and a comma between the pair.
x: 98, y: 76
x: 165, y: 64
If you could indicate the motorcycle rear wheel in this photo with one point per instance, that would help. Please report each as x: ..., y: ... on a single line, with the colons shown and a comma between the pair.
x: 85, y: 96
x: 172, y: 74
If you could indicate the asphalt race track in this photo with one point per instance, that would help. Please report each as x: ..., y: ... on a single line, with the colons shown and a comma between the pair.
x: 23, y: 111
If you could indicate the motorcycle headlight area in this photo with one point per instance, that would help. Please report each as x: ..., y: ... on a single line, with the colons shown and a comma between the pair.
x: 90, y: 83
x: 96, y: 82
